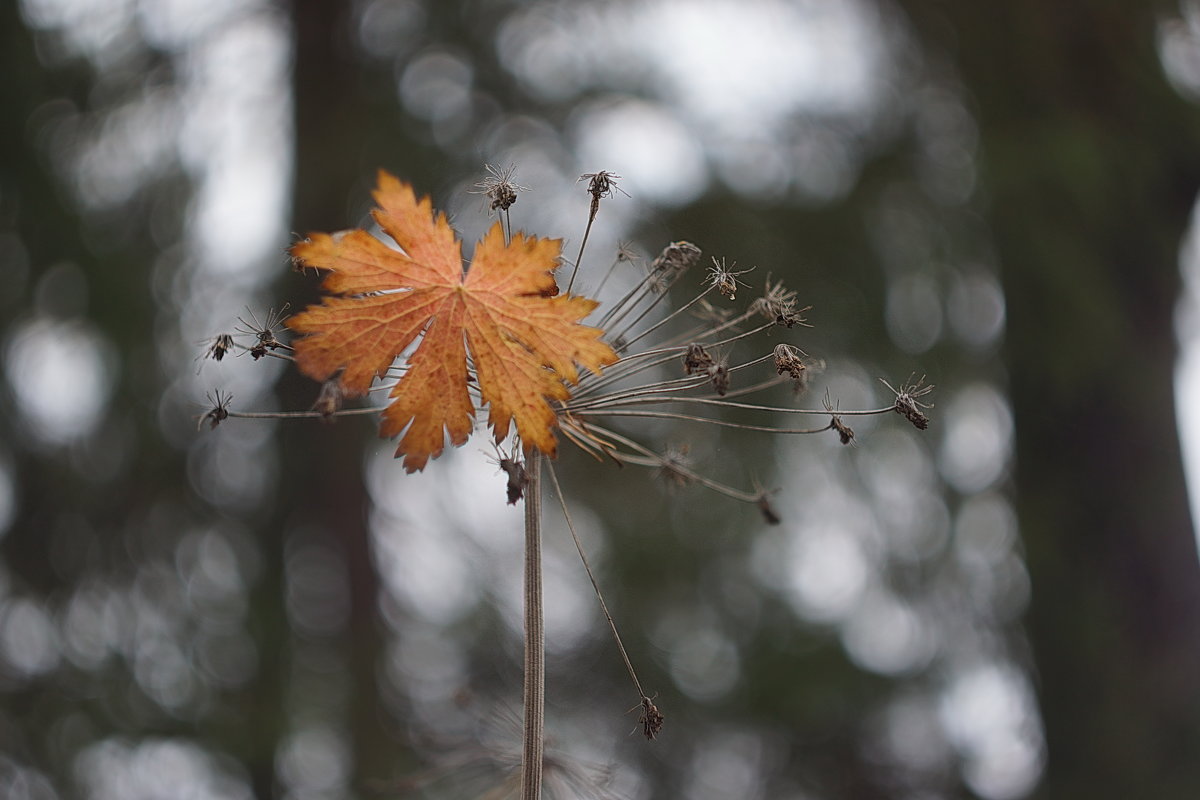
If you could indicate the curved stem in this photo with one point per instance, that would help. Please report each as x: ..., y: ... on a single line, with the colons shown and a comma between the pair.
x: 535, y: 640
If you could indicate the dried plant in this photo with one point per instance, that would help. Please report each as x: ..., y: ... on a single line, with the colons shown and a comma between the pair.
x: 503, y: 336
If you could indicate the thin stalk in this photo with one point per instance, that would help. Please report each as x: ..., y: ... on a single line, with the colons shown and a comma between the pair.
x: 562, y: 501
x: 721, y: 423
x: 535, y: 638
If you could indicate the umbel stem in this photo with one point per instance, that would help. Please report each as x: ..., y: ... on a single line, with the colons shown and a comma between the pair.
x: 535, y: 639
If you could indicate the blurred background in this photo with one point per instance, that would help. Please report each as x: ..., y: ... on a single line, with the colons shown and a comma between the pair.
x: 997, y: 196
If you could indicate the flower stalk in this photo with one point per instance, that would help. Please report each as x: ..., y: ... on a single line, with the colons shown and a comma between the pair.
x: 532, y: 753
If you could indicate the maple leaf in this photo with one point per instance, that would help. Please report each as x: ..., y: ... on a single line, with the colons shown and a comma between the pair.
x: 524, y: 339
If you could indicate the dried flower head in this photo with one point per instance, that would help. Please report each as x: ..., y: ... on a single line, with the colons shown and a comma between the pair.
x: 219, y: 411
x: 675, y: 258
x: 264, y: 332
x: 778, y: 303
x: 725, y: 279
x: 907, y: 404
x: 844, y: 431
x: 219, y: 346
x: 518, y: 479
x: 651, y: 719
x: 600, y: 185
x: 499, y: 187
x: 790, y: 360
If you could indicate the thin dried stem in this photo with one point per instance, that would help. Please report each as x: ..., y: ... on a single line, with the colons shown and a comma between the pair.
x: 343, y: 412
x: 600, y: 184
x: 624, y: 253
x: 535, y: 638
x: 667, y: 318
x: 562, y: 501
x: 723, y: 423
x: 649, y: 458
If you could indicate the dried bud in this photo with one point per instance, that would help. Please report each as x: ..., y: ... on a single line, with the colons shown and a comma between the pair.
x: 651, y: 719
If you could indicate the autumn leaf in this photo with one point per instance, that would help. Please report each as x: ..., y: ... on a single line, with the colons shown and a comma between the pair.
x: 524, y: 340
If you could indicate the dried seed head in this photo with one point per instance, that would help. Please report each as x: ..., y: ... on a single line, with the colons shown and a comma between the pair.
x: 329, y: 398
x: 514, y: 468
x: 219, y: 411
x: 499, y: 187
x: 793, y: 361
x: 264, y: 331
x: 518, y: 479
x: 845, y: 433
x: 601, y: 184
x: 779, y: 303
x: 788, y: 359
x: 651, y: 719
x: 221, y: 344
x: 725, y: 278
x: 625, y: 252
x: 907, y: 404
x: 696, y: 359
x: 675, y: 258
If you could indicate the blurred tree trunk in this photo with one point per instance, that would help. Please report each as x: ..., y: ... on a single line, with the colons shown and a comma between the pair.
x: 1090, y: 164
x: 323, y: 463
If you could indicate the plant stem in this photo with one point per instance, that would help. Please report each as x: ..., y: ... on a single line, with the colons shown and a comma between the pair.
x: 535, y: 640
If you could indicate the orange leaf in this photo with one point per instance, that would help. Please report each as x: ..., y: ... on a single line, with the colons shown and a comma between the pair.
x: 524, y: 341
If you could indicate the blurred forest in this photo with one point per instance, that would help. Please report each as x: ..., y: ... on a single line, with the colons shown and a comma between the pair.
x: 993, y: 195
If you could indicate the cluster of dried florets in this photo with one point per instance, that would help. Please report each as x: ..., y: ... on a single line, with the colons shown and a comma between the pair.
x: 703, y: 338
